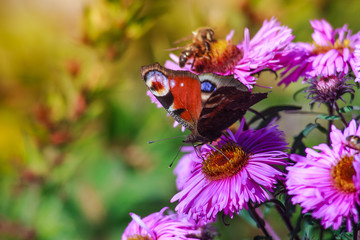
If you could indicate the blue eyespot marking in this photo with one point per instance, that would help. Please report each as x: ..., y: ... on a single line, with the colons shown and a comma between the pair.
x: 207, y: 86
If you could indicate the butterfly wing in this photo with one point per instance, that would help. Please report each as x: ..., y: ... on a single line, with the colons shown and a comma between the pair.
x: 225, y: 100
x: 178, y: 91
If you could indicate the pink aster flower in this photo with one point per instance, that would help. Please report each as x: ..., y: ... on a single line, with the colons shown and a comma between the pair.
x: 332, y: 53
x: 326, y: 182
x: 228, y: 184
x: 244, y: 59
x: 357, y: 62
x: 158, y: 226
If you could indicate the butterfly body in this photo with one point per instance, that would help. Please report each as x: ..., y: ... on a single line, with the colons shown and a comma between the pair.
x: 206, y: 104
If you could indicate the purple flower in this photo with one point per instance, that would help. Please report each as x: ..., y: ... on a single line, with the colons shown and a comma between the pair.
x: 158, y: 226
x: 326, y: 181
x: 246, y: 58
x: 227, y: 184
x: 357, y: 62
x: 331, y: 54
x: 328, y: 89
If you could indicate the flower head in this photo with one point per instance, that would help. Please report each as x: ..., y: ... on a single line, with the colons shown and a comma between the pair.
x: 328, y: 89
x: 242, y: 169
x: 158, y: 226
x: 327, y: 182
x: 330, y: 54
x: 244, y: 59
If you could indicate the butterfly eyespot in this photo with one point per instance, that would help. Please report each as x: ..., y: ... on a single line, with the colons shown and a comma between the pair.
x: 207, y: 86
x: 158, y: 83
x: 206, y: 104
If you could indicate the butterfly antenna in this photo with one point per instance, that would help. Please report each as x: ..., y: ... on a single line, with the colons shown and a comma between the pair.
x: 165, y: 139
x: 177, y: 154
x: 216, y: 149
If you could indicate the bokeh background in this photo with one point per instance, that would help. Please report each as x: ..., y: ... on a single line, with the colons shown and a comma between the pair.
x: 75, y: 120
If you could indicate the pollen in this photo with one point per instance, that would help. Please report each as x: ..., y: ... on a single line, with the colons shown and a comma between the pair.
x: 216, y: 166
x: 339, y: 46
x: 342, y: 174
x: 223, y: 57
x: 139, y: 237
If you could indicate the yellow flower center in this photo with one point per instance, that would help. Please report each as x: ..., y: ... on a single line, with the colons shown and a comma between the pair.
x: 319, y: 49
x: 216, y: 166
x: 342, y: 174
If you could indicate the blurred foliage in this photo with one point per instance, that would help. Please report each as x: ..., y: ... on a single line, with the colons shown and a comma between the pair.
x: 75, y: 119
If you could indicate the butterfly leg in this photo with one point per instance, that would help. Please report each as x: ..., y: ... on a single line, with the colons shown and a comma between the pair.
x: 197, y: 151
x: 218, y: 150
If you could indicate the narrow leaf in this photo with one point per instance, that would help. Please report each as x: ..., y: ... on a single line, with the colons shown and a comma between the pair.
x: 349, y: 109
x: 327, y: 117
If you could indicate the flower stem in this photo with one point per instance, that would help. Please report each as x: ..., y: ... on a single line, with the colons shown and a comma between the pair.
x: 331, y: 112
x: 262, y: 223
x: 355, y: 230
x: 321, y: 234
x: 287, y: 221
x: 340, y: 114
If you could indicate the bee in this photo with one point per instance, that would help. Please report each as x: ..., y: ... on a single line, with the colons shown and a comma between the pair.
x: 353, y: 141
x: 200, y: 46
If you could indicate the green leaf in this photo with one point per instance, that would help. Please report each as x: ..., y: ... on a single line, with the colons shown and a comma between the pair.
x: 270, y: 114
x: 349, y: 109
x: 309, y: 128
x: 327, y: 117
x: 298, y: 91
x: 298, y: 143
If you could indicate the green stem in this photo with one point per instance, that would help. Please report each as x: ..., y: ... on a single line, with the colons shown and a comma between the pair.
x: 331, y: 112
x: 287, y: 221
x: 259, y: 221
x: 321, y: 234
x: 340, y: 115
x: 355, y: 230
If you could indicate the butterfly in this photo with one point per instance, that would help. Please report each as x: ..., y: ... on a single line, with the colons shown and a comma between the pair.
x: 206, y: 104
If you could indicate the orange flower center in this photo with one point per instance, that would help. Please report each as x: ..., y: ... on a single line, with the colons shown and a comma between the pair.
x: 217, y: 166
x: 337, y: 46
x: 342, y: 174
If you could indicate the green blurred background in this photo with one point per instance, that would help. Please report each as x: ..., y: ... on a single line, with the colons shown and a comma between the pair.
x: 75, y: 119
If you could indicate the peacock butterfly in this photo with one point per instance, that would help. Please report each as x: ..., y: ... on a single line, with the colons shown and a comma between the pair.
x: 206, y: 104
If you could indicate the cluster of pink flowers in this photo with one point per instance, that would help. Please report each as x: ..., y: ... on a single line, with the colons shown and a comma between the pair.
x: 243, y: 167
x: 327, y: 182
x: 331, y: 54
